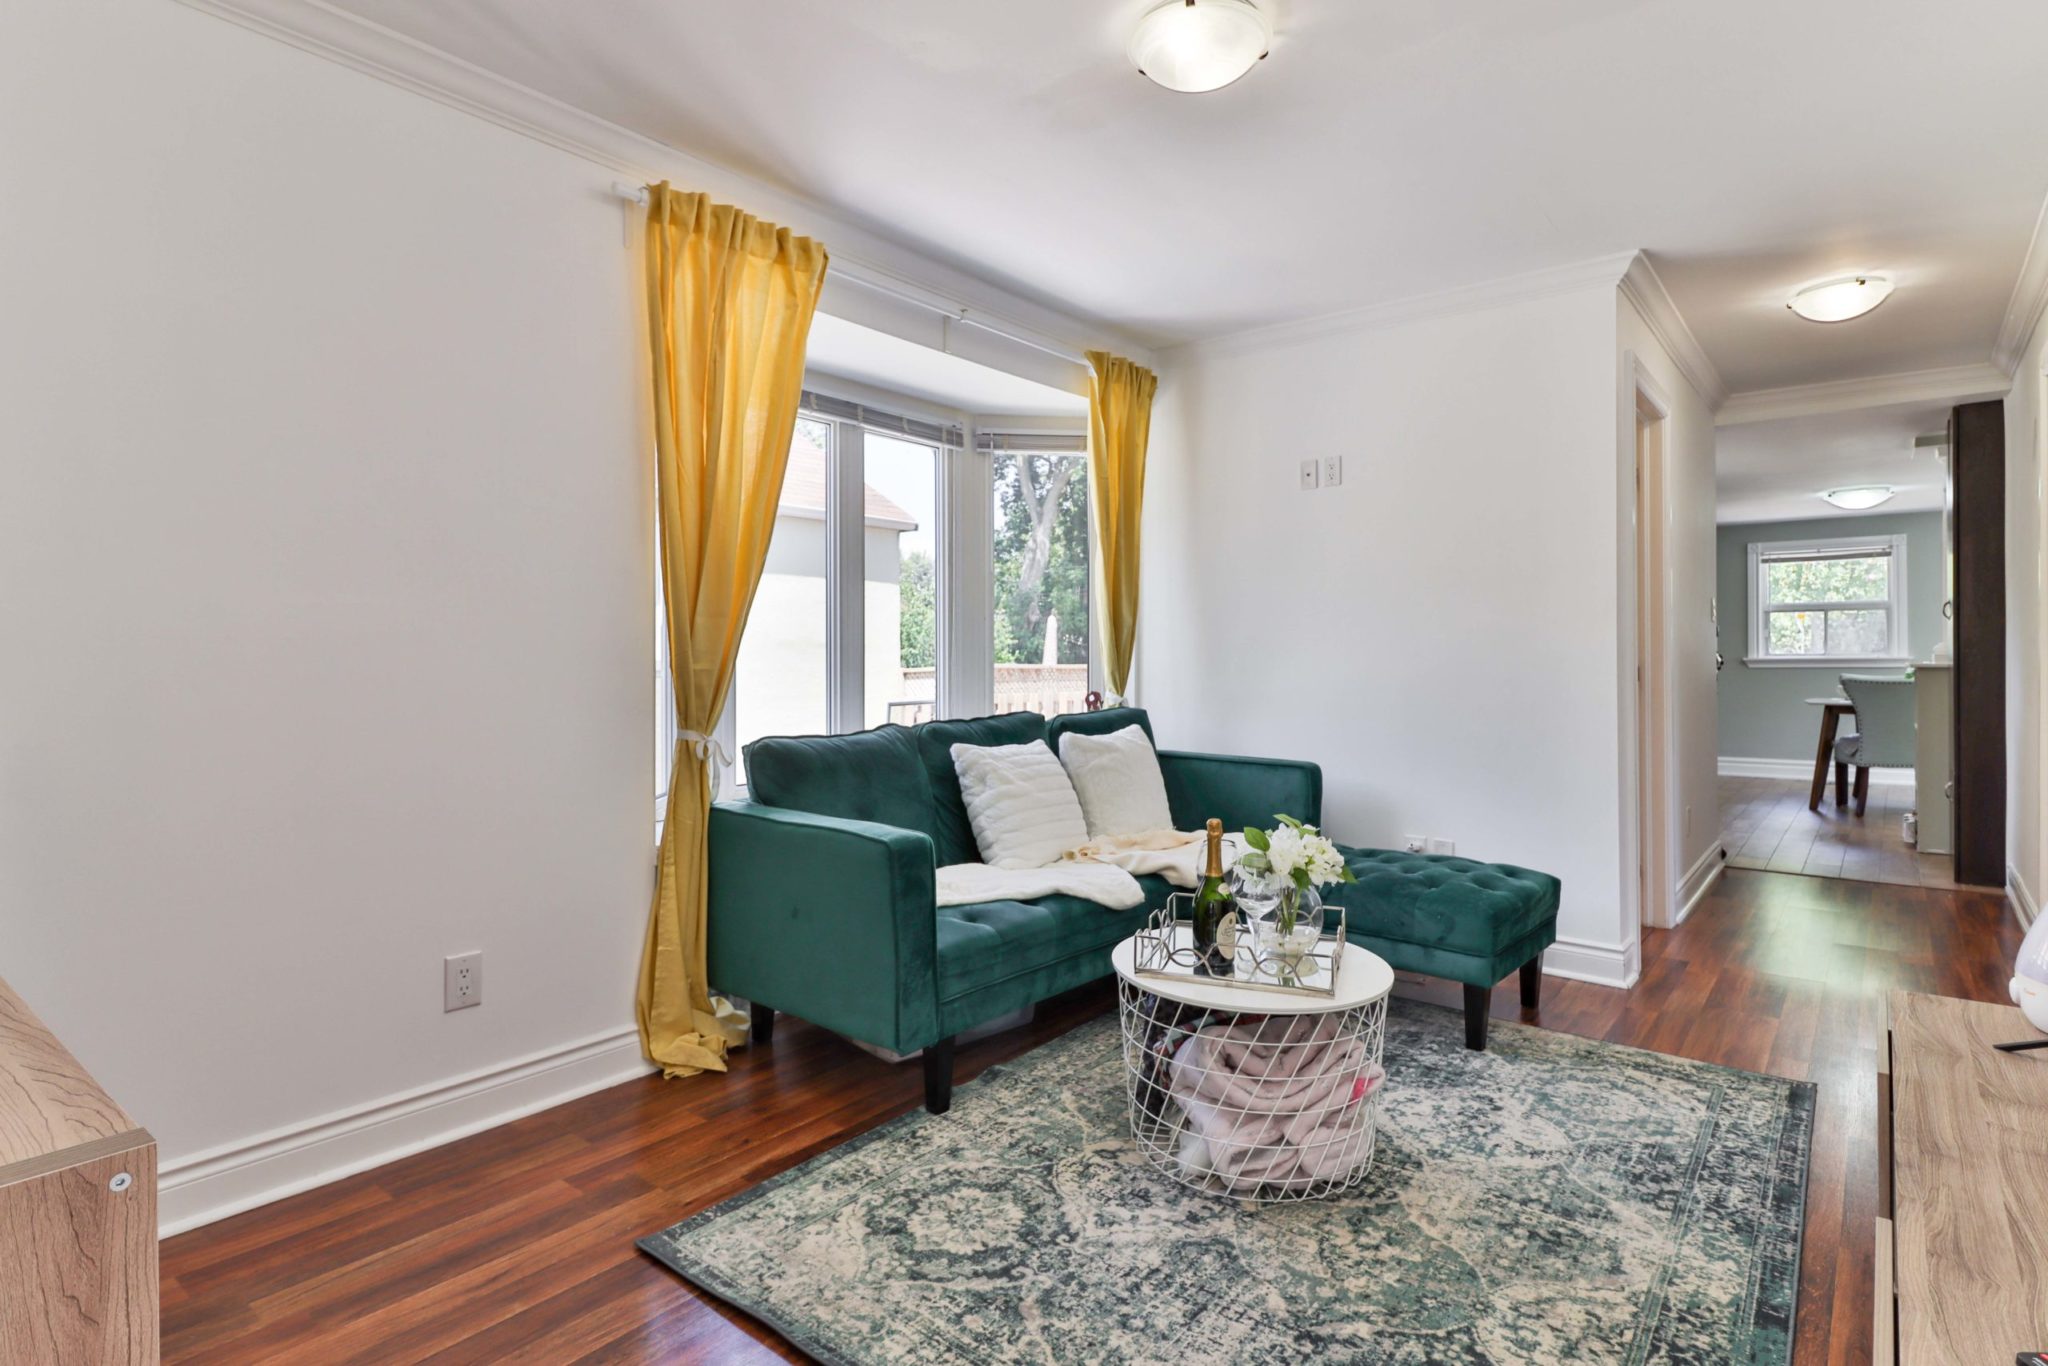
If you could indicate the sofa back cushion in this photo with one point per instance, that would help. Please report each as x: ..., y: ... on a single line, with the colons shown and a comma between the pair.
x: 1097, y: 723
x: 1117, y: 778
x: 1021, y: 804
x: 871, y: 775
x: 951, y: 832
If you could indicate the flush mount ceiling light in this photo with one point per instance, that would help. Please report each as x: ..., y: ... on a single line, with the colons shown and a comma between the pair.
x: 1861, y: 498
x: 1197, y: 45
x: 1834, y: 301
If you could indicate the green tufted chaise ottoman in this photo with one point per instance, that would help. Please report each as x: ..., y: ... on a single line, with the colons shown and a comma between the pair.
x: 1451, y: 917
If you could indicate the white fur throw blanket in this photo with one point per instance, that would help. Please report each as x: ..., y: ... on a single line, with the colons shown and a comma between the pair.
x: 1104, y: 870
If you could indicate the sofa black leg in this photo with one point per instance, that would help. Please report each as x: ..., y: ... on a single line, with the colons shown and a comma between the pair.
x: 1532, y: 983
x: 938, y: 1076
x: 1476, y: 1000
x: 763, y: 1022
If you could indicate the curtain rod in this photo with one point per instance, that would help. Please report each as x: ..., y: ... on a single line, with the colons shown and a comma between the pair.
x: 637, y: 194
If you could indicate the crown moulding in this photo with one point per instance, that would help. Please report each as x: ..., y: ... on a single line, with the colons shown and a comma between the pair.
x: 860, y: 252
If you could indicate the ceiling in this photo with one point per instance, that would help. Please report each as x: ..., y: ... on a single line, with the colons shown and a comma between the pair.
x: 1383, y: 151
x: 1775, y: 471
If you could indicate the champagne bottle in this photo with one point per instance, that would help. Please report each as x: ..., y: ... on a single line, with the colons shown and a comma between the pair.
x: 1215, y: 914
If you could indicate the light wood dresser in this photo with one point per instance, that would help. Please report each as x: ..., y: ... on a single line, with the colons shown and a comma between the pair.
x: 78, y: 1279
x: 1962, y: 1232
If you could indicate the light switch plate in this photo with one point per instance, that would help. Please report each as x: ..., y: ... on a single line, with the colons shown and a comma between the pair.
x: 1308, y: 475
x: 1333, y: 471
x: 1437, y: 846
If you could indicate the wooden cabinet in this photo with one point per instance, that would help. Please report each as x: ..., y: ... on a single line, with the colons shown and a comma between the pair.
x: 1962, y: 1232
x: 78, y: 1280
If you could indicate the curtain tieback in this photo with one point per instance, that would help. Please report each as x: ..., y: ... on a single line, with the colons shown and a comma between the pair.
x: 705, y: 747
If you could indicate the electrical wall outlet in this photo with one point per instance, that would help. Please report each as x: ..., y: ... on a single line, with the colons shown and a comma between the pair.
x: 1437, y: 846
x: 1414, y: 844
x: 462, y: 981
x: 1333, y: 471
x: 1308, y: 475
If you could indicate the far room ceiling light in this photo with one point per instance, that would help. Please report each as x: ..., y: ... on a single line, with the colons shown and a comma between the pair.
x: 1197, y: 45
x: 1860, y: 499
x: 1834, y: 301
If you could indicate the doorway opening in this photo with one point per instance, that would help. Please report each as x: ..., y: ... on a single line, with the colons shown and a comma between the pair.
x: 1848, y: 544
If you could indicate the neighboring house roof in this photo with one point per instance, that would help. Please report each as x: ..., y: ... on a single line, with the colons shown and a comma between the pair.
x: 803, y: 490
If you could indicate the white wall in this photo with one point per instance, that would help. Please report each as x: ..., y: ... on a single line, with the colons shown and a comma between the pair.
x: 325, y: 576
x: 1441, y: 631
x: 1689, y: 564
x: 2026, y: 504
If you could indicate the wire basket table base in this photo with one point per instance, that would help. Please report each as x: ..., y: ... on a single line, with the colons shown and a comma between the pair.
x: 1254, y: 1106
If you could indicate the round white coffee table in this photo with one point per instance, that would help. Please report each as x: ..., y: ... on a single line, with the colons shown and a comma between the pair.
x: 1250, y: 1094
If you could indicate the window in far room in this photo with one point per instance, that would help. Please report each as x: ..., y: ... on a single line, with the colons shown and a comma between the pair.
x: 1040, y: 545
x: 1828, y: 602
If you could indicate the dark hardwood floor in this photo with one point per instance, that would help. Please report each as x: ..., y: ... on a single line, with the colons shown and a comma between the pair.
x: 518, y: 1243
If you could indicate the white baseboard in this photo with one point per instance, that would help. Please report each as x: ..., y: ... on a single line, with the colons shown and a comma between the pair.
x: 2023, y: 904
x: 1802, y: 769
x: 233, y: 1177
x: 1607, y: 965
x: 1697, y: 879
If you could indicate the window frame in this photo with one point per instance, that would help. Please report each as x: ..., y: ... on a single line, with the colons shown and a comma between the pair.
x: 1763, y: 553
x: 845, y: 561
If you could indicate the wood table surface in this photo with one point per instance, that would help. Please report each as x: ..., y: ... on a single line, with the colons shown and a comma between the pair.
x: 78, y: 1247
x: 1969, y: 1155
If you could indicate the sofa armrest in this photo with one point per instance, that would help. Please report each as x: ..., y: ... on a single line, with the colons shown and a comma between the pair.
x: 832, y: 920
x: 1239, y: 791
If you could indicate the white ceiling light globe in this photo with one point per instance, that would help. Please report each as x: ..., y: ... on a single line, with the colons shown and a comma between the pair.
x: 1197, y: 45
x: 1835, y: 301
x: 1859, y: 499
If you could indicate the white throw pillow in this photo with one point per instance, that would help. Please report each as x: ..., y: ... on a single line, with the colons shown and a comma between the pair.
x: 1022, y: 807
x: 1117, y: 778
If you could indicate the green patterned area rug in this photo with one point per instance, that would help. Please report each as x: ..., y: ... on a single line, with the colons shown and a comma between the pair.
x: 1554, y: 1199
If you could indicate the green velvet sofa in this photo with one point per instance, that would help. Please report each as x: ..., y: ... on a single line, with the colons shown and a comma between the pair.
x: 822, y: 902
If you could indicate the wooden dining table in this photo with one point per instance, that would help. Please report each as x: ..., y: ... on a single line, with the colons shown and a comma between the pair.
x: 1833, y: 709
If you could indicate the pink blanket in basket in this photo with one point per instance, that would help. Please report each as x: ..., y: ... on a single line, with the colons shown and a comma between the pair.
x: 1278, y: 1101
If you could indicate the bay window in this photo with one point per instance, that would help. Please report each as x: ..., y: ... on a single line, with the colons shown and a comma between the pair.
x: 893, y: 540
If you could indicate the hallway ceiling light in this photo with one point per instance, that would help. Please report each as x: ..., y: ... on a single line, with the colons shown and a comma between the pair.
x: 1862, y: 498
x: 1197, y: 45
x: 1835, y: 301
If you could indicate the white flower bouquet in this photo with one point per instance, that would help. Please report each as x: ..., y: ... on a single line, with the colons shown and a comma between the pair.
x: 1298, y: 858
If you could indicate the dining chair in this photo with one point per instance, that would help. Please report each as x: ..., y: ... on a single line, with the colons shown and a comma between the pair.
x: 1884, y: 731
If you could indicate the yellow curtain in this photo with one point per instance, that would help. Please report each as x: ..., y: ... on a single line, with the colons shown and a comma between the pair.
x: 730, y: 300
x: 1119, y: 424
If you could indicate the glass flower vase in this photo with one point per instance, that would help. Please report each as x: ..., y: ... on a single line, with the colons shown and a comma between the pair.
x: 1288, y: 931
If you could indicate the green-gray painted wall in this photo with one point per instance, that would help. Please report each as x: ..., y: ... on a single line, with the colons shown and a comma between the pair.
x: 1763, y: 712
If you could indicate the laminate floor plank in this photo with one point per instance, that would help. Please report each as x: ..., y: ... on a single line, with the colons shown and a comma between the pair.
x: 1765, y: 825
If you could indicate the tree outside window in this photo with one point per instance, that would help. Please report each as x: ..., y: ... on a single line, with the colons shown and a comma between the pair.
x: 1041, y: 581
